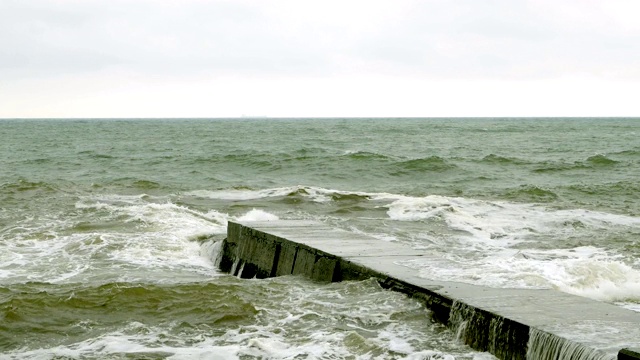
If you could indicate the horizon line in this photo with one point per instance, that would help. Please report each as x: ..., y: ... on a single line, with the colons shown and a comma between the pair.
x: 315, y: 117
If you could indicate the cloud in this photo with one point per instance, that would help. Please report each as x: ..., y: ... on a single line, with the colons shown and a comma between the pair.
x: 434, y: 38
x: 110, y: 50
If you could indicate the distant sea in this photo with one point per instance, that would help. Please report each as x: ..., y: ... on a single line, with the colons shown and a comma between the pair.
x: 109, y: 228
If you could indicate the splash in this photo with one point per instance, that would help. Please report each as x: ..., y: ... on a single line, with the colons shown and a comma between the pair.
x: 258, y: 215
x: 113, y: 238
x: 543, y: 345
x: 487, y: 332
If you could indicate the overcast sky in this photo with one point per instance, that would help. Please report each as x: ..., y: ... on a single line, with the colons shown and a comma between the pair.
x: 197, y: 58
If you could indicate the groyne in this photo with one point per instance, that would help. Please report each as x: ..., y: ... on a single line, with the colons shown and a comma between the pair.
x: 509, y: 323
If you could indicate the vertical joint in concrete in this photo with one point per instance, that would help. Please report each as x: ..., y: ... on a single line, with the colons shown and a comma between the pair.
x: 295, y: 257
x: 276, y: 259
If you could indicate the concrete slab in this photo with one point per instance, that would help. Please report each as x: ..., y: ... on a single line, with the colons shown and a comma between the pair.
x: 629, y: 354
x: 502, y: 321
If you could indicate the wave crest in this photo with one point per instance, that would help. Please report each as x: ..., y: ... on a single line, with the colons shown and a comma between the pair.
x: 502, y: 160
x: 431, y: 163
x: 601, y: 160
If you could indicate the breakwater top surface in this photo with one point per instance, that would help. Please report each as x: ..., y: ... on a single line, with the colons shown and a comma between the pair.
x: 509, y: 323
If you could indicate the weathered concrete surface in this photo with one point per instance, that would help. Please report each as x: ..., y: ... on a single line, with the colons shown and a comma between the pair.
x: 500, y: 321
x: 629, y: 354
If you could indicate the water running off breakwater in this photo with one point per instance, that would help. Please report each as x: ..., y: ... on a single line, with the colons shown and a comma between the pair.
x: 107, y: 227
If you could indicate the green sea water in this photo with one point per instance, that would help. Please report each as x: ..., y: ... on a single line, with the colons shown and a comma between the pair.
x: 109, y: 228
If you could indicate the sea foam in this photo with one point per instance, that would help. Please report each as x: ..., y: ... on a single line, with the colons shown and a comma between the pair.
x: 503, y: 244
x: 258, y: 215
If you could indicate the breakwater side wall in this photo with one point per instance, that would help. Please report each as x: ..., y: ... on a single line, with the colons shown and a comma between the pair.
x: 509, y: 323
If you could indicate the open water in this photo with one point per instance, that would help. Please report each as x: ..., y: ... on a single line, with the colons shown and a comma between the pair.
x: 109, y: 229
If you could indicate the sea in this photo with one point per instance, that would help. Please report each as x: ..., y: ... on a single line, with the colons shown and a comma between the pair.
x: 110, y: 229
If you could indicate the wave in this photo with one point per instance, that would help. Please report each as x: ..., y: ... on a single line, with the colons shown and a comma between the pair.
x: 250, y: 160
x: 134, y: 183
x: 523, y: 245
x: 467, y: 234
x: 628, y: 191
x: 366, y: 155
x: 592, y: 162
x: 630, y: 153
x: 256, y: 161
x: 113, y: 237
x: 585, y: 271
x: 531, y: 194
x: 241, y: 194
x: 38, y: 161
x: 417, y: 208
x: 549, y: 166
x: 146, y: 184
x: 601, y: 160
x: 489, y: 219
x: 350, y: 209
x: 349, y: 197
x: 77, y: 308
x: 95, y: 155
x: 227, y: 318
x: 315, y: 194
x: 306, y: 151
x: 302, y: 155
x: 24, y: 185
x: 502, y: 160
x: 96, y: 226
x: 431, y: 163
x: 258, y: 215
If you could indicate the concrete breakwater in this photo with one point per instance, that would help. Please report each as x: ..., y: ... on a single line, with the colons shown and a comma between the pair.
x: 509, y: 323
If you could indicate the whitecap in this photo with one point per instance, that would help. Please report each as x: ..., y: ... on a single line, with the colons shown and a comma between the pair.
x: 258, y: 215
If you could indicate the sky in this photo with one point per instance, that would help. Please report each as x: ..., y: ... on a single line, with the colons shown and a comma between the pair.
x: 308, y: 58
